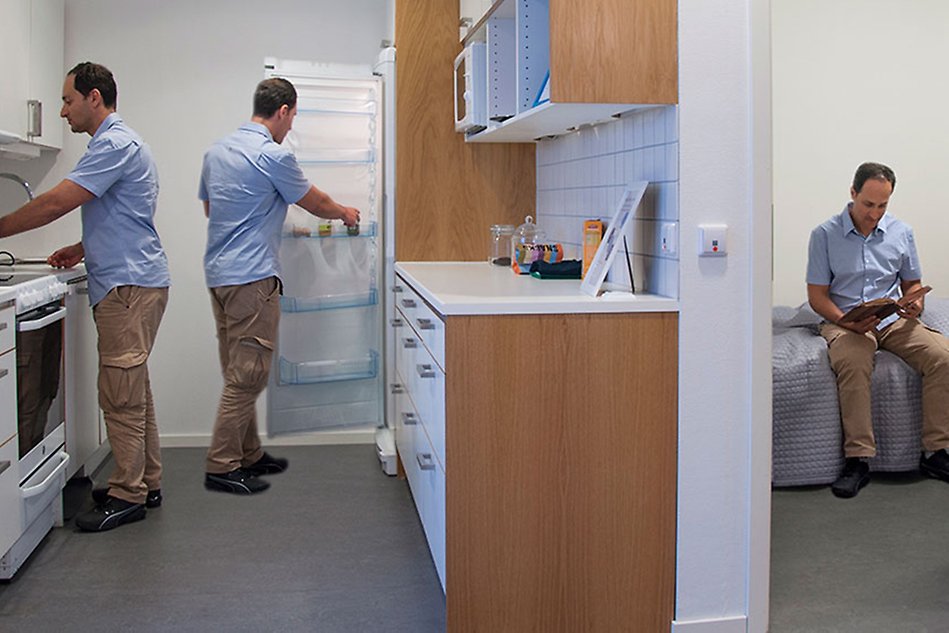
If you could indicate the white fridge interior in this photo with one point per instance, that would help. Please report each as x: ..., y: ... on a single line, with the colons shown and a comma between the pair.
x: 328, y: 363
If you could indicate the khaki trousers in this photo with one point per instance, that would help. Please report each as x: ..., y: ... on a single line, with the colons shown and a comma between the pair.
x: 851, y: 357
x: 127, y: 321
x: 246, y: 317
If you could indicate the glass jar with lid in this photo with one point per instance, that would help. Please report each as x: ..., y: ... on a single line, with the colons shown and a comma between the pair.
x: 525, y: 236
x: 499, y: 245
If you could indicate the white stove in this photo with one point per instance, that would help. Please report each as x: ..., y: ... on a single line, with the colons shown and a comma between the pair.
x: 33, y: 289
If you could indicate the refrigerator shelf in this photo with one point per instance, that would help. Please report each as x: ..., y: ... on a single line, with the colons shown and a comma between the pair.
x: 336, y: 156
x: 329, y: 302
x: 311, y: 372
x: 338, y: 230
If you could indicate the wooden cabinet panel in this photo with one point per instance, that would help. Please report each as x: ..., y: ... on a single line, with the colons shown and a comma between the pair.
x: 448, y: 192
x: 561, y: 440
x: 613, y: 51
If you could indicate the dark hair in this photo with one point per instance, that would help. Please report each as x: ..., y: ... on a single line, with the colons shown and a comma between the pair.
x: 271, y: 95
x: 89, y: 76
x: 875, y: 171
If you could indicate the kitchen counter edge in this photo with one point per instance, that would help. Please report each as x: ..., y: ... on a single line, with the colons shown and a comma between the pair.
x: 473, y: 288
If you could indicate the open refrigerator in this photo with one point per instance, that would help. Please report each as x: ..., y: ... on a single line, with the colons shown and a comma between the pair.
x: 329, y: 363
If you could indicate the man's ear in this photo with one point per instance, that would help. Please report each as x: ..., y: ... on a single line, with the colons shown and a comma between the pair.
x: 853, y: 192
x: 96, y: 96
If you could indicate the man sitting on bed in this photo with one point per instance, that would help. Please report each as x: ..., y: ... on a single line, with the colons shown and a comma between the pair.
x: 856, y: 256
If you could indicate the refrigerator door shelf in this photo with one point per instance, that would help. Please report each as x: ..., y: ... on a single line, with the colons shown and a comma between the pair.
x: 329, y: 370
x: 337, y: 230
x: 329, y: 302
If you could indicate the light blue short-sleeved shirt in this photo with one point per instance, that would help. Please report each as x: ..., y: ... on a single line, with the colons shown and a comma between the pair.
x: 121, y: 244
x: 248, y: 181
x: 859, y: 268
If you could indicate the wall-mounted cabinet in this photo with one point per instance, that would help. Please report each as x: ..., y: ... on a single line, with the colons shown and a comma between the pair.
x: 32, y: 32
x: 554, y: 65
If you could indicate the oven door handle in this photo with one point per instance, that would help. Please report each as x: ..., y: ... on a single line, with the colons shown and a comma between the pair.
x: 41, y: 487
x: 36, y: 324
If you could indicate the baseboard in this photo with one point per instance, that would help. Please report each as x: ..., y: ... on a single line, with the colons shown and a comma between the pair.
x: 717, y: 625
x: 342, y: 436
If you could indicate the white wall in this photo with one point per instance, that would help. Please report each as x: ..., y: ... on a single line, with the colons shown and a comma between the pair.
x: 858, y: 80
x: 724, y: 332
x: 186, y: 72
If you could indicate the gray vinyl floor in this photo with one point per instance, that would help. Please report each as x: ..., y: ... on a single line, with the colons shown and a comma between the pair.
x: 334, y: 545
x: 878, y: 563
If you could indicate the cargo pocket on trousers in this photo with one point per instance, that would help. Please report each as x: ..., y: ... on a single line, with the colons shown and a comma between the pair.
x: 121, y: 384
x: 251, y: 365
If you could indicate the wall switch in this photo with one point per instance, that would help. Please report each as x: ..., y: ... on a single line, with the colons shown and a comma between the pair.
x: 712, y: 240
x: 668, y: 238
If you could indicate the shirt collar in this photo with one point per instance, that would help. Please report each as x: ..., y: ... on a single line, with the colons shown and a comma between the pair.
x: 848, y: 225
x: 107, y: 122
x: 258, y: 128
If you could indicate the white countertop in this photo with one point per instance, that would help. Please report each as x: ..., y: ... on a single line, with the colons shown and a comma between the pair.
x: 462, y: 288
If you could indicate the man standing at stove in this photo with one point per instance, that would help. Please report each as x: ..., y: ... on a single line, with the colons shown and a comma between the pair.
x: 116, y: 184
x: 247, y: 182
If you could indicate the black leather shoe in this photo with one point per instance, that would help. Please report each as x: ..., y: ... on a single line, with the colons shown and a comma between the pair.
x: 936, y: 465
x: 267, y: 465
x: 238, y: 482
x: 856, y: 475
x: 111, y: 514
x: 153, y: 500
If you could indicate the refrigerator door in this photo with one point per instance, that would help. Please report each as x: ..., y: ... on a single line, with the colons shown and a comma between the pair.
x: 327, y: 369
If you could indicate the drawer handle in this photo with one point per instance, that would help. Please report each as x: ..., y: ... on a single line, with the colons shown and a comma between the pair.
x: 396, y: 288
x: 425, y: 371
x: 396, y: 388
x: 408, y: 303
x: 409, y: 343
x: 425, y: 324
x: 4, y: 464
x: 409, y: 419
x: 425, y: 461
x: 3, y: 325
x: 396, y: 322
x: 3, y: 373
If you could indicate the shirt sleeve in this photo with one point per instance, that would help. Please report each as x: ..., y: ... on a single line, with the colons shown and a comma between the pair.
x: 203, y: 183
x: 101, y: 167
x: 818, y: 260
x: 286, y: 176
x: 910, y: 270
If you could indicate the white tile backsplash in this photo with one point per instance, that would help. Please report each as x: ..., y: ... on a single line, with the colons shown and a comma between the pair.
x: 583, y: 175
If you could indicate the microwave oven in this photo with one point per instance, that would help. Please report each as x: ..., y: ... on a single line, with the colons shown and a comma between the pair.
x: 471, y: 99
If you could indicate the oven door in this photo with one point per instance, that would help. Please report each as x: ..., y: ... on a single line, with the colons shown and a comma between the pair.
x: 40, y: 403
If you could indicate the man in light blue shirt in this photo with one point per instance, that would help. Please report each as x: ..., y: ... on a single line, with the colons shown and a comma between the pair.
x: 247, y: 182
x: 116, y: 184
x: 857, y: 256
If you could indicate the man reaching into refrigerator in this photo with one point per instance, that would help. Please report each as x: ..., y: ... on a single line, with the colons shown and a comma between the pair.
x: 247, y: 182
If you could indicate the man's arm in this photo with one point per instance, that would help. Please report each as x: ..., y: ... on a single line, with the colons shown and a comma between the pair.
x: 207, y: 208
x: 67, y: 256
x: 45, y: 208
x: 322, y: 205
x: 914, y: 308
x: 819, y: 299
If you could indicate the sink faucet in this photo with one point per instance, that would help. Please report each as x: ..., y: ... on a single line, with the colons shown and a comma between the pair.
x: 19, y: 180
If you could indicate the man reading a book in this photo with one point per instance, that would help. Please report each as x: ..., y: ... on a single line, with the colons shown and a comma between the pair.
x: 863, y: 255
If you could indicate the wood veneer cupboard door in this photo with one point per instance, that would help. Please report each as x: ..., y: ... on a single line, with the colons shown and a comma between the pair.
x: 613, y: 51
x: 561, y: 472
x: 448, y: 192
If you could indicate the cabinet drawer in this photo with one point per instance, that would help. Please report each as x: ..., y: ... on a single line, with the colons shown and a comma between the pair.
x: 427, y: 482
x: 7, y: 328
x: 7, y: 397
x: 11, y: 516
x: 426, y: 323
x: 424, y: 385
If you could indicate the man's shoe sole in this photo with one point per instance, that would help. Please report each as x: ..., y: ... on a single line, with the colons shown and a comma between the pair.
x: 129, y: 515
x: 934, y: 473
x: 218, y: 484
x: 101, y: 495
x: 848, y: 494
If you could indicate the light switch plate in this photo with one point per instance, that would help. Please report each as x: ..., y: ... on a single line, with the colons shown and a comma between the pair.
x: 713, y: 240
x: 669, y: 238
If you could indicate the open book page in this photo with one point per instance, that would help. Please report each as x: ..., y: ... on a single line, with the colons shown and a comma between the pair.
x: 883, y: 307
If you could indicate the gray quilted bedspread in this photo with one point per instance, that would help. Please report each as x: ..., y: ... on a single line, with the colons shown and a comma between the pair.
x: 807, y: 441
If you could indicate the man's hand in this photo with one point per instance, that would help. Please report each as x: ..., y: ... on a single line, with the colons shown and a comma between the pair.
x: 350, y: 216
x: 861, y: 327
x: 67, y: 256
x: 912, y: 310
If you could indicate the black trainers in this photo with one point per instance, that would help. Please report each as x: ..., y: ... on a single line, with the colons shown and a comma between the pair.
x: 153, y: 500
x: 267, y: 465
x: 111, y: 514
x: 936, y: 465
x: 856, y: 475
x: 238, y: 482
